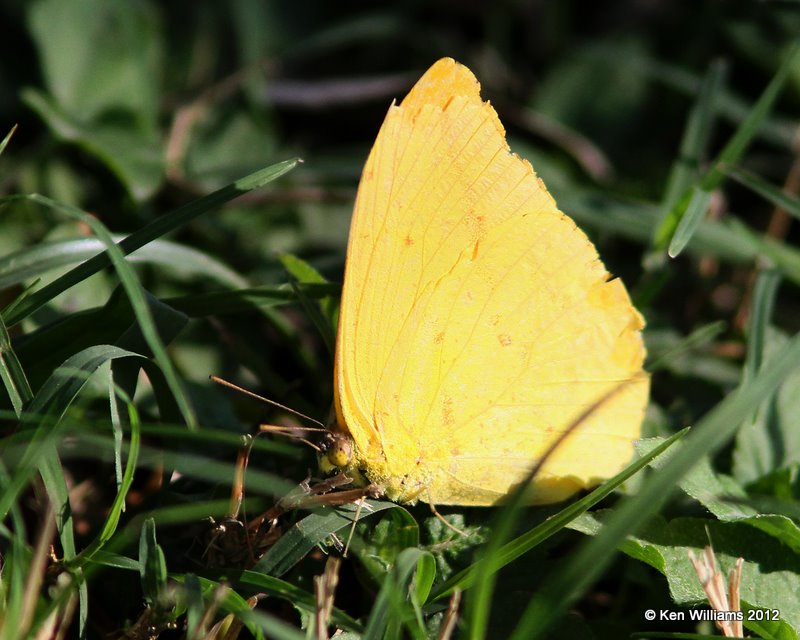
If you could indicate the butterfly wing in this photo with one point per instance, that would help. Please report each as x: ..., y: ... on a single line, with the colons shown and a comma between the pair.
x: 477, y: 321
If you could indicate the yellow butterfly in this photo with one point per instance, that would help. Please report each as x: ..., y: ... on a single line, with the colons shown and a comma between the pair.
x: 477, y: 321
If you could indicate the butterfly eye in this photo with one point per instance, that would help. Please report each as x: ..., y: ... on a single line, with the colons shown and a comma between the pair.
x: 338, y: 450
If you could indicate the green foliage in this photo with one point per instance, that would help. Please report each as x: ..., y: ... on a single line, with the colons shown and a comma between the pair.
x: 136, y: 260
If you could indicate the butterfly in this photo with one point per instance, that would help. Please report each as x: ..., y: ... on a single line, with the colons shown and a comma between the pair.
x: 477, y: 322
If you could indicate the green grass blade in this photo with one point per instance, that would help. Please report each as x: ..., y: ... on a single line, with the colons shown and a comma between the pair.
x: 781, y: 199
x: 278, y: 588
x: 12, y: 374
x: 152, y: 563
x: 271, y: 626
x: 692, y: 150
x: 43, y: 417
x: 17, y: 561
x: 138, y: 301
x: 389, y: 614
x: 690, y: 218
x: 745, y: 133
x: 727, y: 240
x: 304, y: 273
x: 129, y: 418
x: 7, y: 139
x: 784, y: 257
x: 32, y: 262
x: 700, y: 337
x: 156, y: 229
x: 730, y: 154
x: 761, y: 310
x: 192, y: 597
x: 312, y: 530
x: 497, y: 554
x: 266, y: 297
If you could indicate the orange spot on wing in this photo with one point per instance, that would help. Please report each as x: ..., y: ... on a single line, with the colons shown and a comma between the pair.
x: 447, y: 411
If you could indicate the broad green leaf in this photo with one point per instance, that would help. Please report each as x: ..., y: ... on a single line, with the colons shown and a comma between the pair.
x: 133, y: 155
x: 84, y: 47
x: 770, y: 576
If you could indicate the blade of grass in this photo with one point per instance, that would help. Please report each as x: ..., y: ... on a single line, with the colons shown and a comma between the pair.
x: 138, y: 301
x: 49, y: 406
x: 389, y: 613
x: 304, y: 273
x: 698, y: 338
x: 159, y: 227
x: 152, y: 564
x: 690, y: 217
x: 761, y: 310
x: 721, y: 239
x: 732, y: 108
x: 16, y: 564
x: 737, y: 145
x: 44, y: 415
x: 268, y: 296
x: 12, y: 374
x: 34, y: 261
x: 6, y: 140
x: 53, y: 399
x: 566, y: 584
x: 271, y: 626
x: 312, y: 530
x: 191, y: 465
x: 781, y: 255
x: 790, y: 204
x: 118, y: 505
x: 278, y: 588
x: 192, y: 597
x: 693, y: 148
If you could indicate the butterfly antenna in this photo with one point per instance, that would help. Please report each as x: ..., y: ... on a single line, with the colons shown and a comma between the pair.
x: 291, y: 432
x: 235, y: 387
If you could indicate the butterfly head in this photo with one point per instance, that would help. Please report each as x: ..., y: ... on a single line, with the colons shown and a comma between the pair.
x: 337, y: 451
